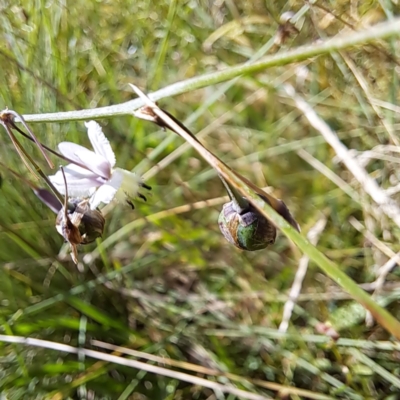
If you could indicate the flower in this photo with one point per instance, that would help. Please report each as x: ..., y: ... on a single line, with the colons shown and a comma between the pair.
x: 92, y: 173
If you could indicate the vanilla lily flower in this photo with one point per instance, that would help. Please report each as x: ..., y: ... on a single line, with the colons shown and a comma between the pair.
x: 94, y: 174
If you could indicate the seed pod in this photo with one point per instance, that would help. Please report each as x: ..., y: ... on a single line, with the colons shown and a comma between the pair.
x: 89, y: 223
x: 91, y: 226
x: 78, y: 224
x: 248, y: 230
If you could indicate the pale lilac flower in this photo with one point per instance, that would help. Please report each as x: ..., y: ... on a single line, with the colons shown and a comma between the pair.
x: 99, y: 180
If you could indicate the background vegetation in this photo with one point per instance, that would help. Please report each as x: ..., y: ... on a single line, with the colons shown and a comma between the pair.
x: 164, y: 281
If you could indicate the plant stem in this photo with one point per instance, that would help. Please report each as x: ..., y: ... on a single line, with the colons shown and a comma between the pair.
x: 349, y: 39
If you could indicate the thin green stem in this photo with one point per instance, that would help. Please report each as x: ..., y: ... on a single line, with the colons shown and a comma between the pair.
x: 380, y: 31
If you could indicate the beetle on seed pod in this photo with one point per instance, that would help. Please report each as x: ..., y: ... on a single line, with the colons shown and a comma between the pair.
x: 239, y: 221
x: 243, y: 225
x: 247, y: 229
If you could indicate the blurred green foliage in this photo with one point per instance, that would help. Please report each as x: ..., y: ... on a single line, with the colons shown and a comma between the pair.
x: 174, y: 286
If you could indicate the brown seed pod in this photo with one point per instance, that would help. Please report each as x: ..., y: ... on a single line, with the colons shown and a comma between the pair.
x: 89, y: 223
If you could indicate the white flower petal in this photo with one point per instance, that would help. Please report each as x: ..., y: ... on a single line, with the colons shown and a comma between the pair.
x: 69, y: 149
x: 104, y: 194
x: 77, y: 185
x: 80, y: 172
x: 75, y: 173
x: 100, y: 143
x: 116, y: 180
x: 110, y: 190
x: 95, y: 162
x: 84, y: 185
